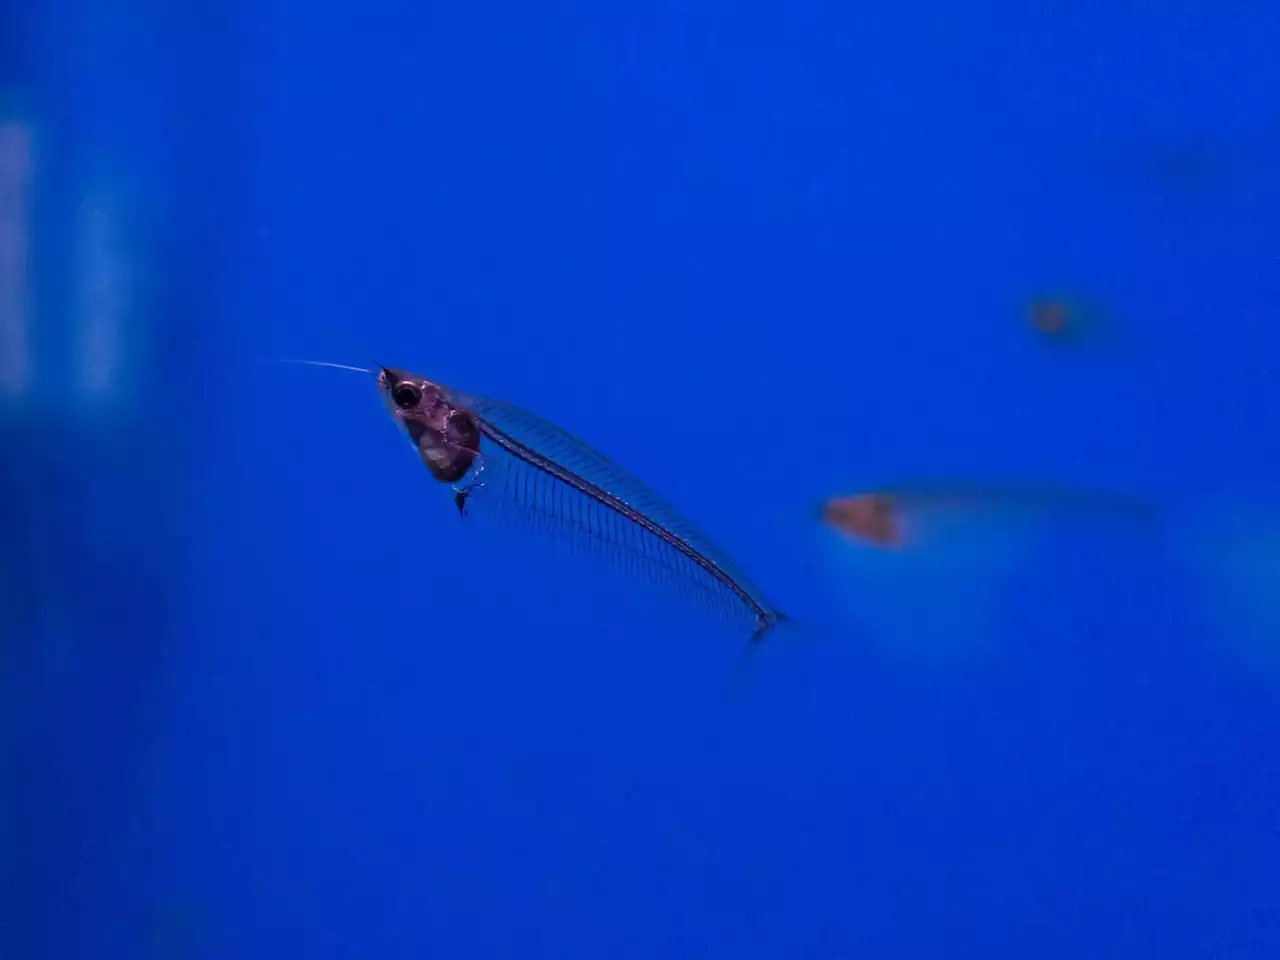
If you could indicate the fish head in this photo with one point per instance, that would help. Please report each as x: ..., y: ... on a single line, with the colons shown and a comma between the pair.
x: 445, y: 435
x: 873, y: 518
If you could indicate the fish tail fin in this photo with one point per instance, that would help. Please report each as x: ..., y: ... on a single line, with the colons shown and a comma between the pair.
x: 751, y: 649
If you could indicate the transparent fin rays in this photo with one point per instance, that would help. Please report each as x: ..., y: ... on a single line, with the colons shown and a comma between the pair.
x: 511, y: 493
x: 536, y: 475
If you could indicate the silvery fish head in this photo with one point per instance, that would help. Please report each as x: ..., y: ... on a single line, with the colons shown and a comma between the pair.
x: 446, y: 436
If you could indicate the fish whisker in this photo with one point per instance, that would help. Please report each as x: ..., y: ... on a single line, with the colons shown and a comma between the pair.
x: 326, y: 363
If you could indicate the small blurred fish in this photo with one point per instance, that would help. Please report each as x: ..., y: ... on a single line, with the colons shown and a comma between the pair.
x: 503, y: 459
x: 1071, y: 320
x: 896, y: 515
x: 923, y: 567
x: 1050, y: 317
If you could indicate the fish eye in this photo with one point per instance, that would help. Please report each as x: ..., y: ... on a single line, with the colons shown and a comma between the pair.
x: 405, y: 395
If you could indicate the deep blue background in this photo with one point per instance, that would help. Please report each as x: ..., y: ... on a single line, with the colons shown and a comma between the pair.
x: 761, y: 255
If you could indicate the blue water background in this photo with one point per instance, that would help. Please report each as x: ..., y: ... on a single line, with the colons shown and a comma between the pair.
x: 276, y: 699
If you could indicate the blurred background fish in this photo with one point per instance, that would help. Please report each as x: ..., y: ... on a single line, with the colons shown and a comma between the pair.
x: 897, y: 514
x: 960, y: 544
